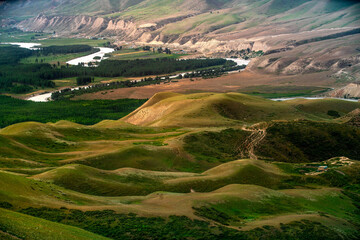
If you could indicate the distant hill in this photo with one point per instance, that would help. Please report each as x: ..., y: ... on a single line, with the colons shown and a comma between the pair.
x: 351, y: 90
x: 213, y: 27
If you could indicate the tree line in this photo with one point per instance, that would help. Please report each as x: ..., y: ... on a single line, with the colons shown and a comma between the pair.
x: 88, y: 112
x: 64, y: 49
x: 21, y: 78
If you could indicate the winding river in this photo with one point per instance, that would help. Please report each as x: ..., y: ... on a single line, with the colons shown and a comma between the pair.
x: 45, y: 97
x: 90, y: 58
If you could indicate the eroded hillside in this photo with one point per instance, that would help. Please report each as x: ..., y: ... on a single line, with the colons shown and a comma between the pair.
x: 224, y: 28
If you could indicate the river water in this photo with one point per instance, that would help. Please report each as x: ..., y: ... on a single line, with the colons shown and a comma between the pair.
x: 30, y: 46
x: 313, y: 98
x: 45, y: 97
x: 101, y: 54
x: 90, y: 58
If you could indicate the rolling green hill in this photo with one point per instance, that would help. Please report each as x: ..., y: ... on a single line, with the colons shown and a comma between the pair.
x: 210, y: 109
x: 125, y: 182
x: 216, y: 165
x: 187, y: 166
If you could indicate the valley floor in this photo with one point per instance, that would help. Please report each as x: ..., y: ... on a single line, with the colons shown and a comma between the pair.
x: 234, y: 82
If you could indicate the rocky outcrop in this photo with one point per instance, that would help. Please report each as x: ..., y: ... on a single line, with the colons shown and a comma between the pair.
x: 353, y: 118
x: 351, y: 90
x: 86, y: 25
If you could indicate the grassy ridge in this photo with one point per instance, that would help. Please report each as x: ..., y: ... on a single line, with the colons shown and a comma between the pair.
x: 210, y: 109
x: 296, y: 141
x: 214, y: 146
x: 125, y: 182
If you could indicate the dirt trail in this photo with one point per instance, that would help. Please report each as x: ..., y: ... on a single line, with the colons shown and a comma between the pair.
x: 258, y: 133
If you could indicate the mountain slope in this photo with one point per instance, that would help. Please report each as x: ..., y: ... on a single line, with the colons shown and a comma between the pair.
x: 168, y: 21
x: 211, y: 27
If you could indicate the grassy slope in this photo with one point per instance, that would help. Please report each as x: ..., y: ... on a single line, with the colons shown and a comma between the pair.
x: 220, y: 194
x: 115, y: 144
x: 124, y: 182
x: 286, y: 141
x: 27, y: 227
x: 236, y: 204
x: 23, y: 192
x: 241, y: 204
x: 305, y: 141
x: 206, y: 109
x: 262, y: 202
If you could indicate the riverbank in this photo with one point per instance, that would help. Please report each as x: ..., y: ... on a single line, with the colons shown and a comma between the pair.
x: 47, y: 96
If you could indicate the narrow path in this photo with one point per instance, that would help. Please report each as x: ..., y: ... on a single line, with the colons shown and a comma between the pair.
x: 246, y: 148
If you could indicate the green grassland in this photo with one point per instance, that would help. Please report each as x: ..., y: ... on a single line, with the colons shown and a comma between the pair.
x: 110, y: 145
x: 46, y: 39
x: 73, y: 41
x: 118, y: 226
x: 294, y: 141
x: 225, y: 169
x: 129, y: 54
x: 85, y: 112
x: 71, y: 82
x: 17, y: 225
x: 235, y: 205
x: 309, y: 141
x: 211, y: 109
x: 197, y: 166
x: 54, y: 58
x: 125, y: 182
x: 15, y: 35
